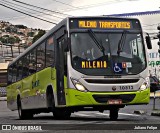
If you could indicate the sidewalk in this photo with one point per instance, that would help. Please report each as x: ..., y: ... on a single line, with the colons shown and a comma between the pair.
x: 157, y: 94
x: 155, y: 112
x: 3, y: 91
x: 3, y: 98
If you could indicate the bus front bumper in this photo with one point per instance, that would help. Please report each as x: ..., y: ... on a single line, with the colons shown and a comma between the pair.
x: 78, y: 98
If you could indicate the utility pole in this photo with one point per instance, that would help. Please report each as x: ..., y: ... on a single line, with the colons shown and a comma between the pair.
x: 158, y: 35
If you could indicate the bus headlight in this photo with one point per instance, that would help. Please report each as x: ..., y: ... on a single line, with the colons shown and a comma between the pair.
x: 143, y: 87
x: 145, y: 84
x: 78, y: 85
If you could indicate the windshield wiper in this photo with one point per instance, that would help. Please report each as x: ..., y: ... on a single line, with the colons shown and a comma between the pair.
x: 99, y: 45
x: 121, y: 43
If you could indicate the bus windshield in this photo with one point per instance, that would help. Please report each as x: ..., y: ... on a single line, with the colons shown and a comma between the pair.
x: 123, y: 54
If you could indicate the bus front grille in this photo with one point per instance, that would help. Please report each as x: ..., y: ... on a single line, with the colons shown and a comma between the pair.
x: 111, y: 81
x: 126, y: 98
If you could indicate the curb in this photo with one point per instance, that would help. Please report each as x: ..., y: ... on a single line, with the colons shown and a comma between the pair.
x: 3, y: 98
x: 155, y: 113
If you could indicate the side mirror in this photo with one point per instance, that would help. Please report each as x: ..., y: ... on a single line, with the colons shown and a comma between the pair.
x: 148, y: 41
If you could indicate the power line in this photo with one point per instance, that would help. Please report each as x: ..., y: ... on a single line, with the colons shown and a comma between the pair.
x: 72, y: 7
x: 22, y: 9
x: 65, y: 4
x: 27, y: 14
x: 41, y: 8
x: 30, y: 9
x: 94, y: 5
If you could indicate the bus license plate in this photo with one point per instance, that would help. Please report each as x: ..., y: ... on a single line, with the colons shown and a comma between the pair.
x: 115, y: 101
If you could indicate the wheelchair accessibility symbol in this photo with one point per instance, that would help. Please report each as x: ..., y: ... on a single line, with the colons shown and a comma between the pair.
x: 117, y: 67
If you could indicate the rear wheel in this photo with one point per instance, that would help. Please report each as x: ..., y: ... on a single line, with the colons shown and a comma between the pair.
x: 114, y: 114
x: 23, y: 114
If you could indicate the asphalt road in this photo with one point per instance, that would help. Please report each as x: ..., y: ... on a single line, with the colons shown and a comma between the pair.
x: 90, y: 121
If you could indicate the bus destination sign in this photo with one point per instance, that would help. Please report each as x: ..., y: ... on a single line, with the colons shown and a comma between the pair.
x: 111, y: 24
x: 104, y: 24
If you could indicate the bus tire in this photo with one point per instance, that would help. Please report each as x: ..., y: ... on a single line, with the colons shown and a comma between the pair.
x: 23, y: 114
x: 61, y: 113
x: 114, y: 114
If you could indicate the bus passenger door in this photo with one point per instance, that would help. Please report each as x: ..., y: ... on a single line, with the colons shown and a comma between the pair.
x: 60, y: 71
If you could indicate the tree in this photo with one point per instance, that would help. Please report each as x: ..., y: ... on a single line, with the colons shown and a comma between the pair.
x: 17, y: 40
x: 11, y: 40
x: 31, y: 34
x: 21, y: 26
x: 4, y: 39
x: 40, y: 34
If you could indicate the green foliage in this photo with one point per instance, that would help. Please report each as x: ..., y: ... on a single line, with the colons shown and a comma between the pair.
x: 31, y: 34
x: 11, y: 40
x: 5, y: 36
x: 40, y: 34
x: 20, y: 33
x: 21, y: 26
x: 17, y: 40
x: 3, y: 40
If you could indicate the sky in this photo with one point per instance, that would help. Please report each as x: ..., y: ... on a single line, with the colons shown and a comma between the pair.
x: 75, y: 8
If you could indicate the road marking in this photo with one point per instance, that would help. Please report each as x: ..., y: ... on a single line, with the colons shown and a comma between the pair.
x: 128, y: 114
x: 80, y: 114
x: 118, y: 113
x: 102, y: 114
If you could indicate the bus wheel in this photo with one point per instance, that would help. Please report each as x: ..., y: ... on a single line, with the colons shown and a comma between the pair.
x: 61, y: 113
x: 23, y: 114
x: 114, y: 114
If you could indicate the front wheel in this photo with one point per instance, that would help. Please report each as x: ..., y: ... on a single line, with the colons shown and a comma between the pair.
x: 23, y: 114
x: 61, y: 113
x: 114, y: 114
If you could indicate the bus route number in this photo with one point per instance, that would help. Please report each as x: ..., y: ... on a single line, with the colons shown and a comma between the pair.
x: 126, y: 87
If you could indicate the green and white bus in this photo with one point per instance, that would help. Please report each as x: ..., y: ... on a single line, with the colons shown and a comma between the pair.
x: 83, y: 63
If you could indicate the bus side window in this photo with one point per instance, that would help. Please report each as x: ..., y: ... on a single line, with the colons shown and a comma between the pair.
x: 41, y: 56
x: 14, y: 72
x: 10, y: 75
x: 19, y: 70
x: 50, y: 52
x: 32, y: 64
x: 25, y: 66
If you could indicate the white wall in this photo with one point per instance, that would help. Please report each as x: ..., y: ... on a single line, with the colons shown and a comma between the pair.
x: 154, y: 59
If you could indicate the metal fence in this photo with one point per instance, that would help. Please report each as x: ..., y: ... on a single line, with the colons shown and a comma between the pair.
x: 3, y: 91
x: 7, y: 53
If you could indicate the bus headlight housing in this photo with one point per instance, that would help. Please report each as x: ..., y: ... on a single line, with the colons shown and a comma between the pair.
x: 78, y: 85
x: 145, y: 84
